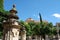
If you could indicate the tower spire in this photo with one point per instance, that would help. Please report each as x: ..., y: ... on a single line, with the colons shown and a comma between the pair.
x: 11, y: 26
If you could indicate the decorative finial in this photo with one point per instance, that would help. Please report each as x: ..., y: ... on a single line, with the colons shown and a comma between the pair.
x: 13, y: 10
x: 14, y: 5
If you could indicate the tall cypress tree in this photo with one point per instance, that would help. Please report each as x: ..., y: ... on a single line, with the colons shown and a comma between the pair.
x: 40, y: 18
x: 1, y: 4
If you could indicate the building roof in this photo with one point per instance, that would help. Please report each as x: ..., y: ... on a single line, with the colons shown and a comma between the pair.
x: 36, y: 21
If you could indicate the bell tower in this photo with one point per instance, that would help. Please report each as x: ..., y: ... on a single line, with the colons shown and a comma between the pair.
x: 11, y: 26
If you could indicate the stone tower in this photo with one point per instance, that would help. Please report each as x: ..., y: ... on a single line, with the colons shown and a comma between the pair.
x: 11, y: 26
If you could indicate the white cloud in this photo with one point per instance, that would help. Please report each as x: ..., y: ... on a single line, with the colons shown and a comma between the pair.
x: 57, y: 15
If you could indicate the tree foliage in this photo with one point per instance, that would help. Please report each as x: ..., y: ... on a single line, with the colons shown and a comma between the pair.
x: 1, y: 4
x: 2, y: 17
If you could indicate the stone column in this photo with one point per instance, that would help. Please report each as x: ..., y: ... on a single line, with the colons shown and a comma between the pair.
x: 46, y: 37
x: 57, y: 31
x: 11, y: 25
x: 23, y: 35
x: 15, y: 34
x: 12, y: 34
x: 29, y: 37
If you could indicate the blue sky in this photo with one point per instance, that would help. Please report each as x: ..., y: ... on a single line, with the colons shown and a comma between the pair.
x: 49, y: 9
